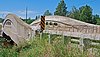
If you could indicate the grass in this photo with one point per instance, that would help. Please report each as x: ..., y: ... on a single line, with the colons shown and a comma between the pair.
x: 41, y: 48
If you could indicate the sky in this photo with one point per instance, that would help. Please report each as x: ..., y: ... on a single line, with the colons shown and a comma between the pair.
x: 38, y: 7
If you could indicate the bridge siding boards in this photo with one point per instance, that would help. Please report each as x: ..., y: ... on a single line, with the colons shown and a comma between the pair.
x: 74, y: 34
x: 72, y: 27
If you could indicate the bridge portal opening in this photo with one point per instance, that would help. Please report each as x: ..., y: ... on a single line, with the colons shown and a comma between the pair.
x: 8, y: 39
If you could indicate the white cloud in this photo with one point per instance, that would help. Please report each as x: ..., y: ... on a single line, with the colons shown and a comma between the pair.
x: 30, y: 13
x: 24, y: 12
x: 4, y: 12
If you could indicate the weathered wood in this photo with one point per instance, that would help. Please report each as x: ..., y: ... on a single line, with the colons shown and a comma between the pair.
x: 16, y: 29
x: 72, y: 27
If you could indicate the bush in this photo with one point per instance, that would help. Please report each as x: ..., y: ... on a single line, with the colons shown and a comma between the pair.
x: 41, y: 48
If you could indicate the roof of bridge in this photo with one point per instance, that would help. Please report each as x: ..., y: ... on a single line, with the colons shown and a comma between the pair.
x: 13, y: 16
x: 63, y: 19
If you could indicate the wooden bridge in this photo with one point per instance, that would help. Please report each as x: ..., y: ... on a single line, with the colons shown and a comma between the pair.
x: 13, y: 28
x: 70, y: 27
x: 20, y: 32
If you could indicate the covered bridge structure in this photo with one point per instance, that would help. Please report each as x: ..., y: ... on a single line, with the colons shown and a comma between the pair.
x: 69, y: 27
x: 16, y: 30
x: 19, y: 32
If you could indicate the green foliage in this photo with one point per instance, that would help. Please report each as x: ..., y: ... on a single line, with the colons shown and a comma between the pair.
x: 86, y: 14
x: 61, y: 9
x: 98, y: 21
x: 1, y: 20
x: 94, y: 19
x: 47, y: 13
x: 74, y: 13
x: 8, y: 52
x: 67, y: 39
x: 28, y: 21
x: 87, y: 43
x: 41, y: 48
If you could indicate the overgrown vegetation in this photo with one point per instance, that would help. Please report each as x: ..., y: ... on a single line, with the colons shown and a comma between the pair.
x: 42, y: 48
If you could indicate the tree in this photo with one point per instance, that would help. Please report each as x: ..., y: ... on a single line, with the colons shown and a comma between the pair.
x: 74, y: 13
x: 38, y: 16
x: 61, y: 9
x: 98, y: 21
x: 86, y: 14
x: 47, y: 13
x: 97, y: 18
x: 94, y: 21
x: 29, y: 20
x: 1, y: 20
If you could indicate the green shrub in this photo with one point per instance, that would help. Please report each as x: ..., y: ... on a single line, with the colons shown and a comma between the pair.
x: 42, y: 48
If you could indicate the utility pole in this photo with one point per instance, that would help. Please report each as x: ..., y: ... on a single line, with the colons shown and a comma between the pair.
x: 26, y: 14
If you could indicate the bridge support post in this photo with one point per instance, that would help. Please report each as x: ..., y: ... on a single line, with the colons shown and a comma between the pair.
x: 40, y: 36
x: 49, y: 38
x: 81, y: 45
x: 63, y: 37
x: 90, y: 52
x: 33, y: 34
